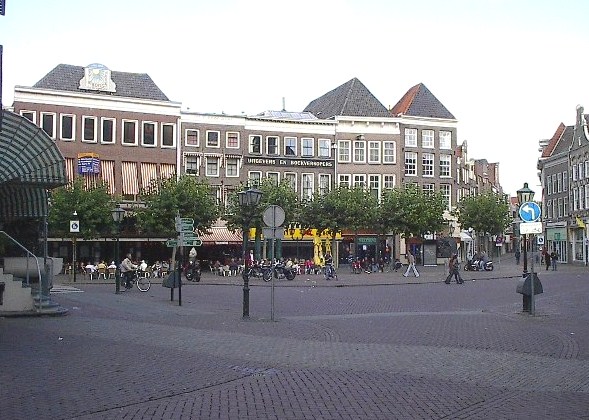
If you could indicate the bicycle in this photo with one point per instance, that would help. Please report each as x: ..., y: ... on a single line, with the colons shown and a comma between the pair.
x: 143, y: 283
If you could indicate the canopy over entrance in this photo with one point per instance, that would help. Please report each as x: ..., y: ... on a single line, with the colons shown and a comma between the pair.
x: 30, y: 164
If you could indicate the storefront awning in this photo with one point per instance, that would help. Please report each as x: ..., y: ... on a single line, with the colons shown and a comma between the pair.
x: 30, y: 164
x: 465, y: 237
x: 222, y: 236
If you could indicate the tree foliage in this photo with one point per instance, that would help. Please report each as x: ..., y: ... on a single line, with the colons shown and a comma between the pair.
x: 187, y: 196
x: 93, y: 207
x: 326, y: 211
x: 485, y: 213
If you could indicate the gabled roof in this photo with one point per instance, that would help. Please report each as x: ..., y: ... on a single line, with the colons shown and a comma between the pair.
x: 351, y: 99
x: 420, y: 102
x: 66, y: 77
x: 560, y: 141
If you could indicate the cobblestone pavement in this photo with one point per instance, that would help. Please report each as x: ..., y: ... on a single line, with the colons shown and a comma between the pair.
x: 378, y: 346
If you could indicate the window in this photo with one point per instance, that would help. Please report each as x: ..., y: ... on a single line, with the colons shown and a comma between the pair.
x: 373, y: 152
x: 586, y: 196
x: 587, y: 168
x: 549, y: 209
x: 149, y: 130
x: 307, y: 147
x: 575, y: 200
x: 344, y: 180
x: 554, y: 183
x: 255, y: 144
x: 560, y: 207
x: 428, y: 188
x: 324, y: 148
x: 48, y: 123
x: 445, y: 140
x: 67, y: 127
x: 389, y: 152
x: 308, y: 187
x: 359, y: 151
x: 272, y: 145
x: 580, y: 171
x: 411, y: 137
x: 191, y: 164
x: 212, y: 166
x: 274, y: 177
x: 324, y: 183
x: 559, y: 181
x: 427, y: 164
x: 168, y: 135
x: 446, y: 191
x: 89, y: 129
x: 374, y: 185
x: 574, y: 172
x: 254, y: 177
x: 29, y: 115
x: 427, y: 139
x: 213, y: 139
x: 291, y: 179
x: 129, y: 132
x: 549, y: 185
x: 581, y: 198
x: 108, y: 130
x: 231, y: 167
x: 388, y: 182
x: 290, y: 146
x: 565, y: 181
x: 410, y: 163
x: 191, y: 137
x: 565, y: 205
x: 359, y: 180
x: 445, y: 165
x: 232, y: 140
x: 344, y: 155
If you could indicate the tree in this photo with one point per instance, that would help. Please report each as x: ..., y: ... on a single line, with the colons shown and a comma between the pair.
x: 92, y: 205
x: 413, y: 212
x: 486, y: 213
x: 186, y: 196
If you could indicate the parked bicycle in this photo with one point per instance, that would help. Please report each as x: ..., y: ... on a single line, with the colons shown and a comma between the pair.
x: 142, y: 283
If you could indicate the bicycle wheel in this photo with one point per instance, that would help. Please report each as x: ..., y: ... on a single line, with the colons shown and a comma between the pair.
x: 267, y: 275
x: 143, y: 284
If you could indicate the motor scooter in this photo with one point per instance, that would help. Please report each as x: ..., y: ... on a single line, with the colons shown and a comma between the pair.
x: 280, y: 272
x: 192, y: 270
x: 475, y: 265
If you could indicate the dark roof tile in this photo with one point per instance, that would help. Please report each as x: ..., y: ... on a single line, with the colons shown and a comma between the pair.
x: 420, y: 102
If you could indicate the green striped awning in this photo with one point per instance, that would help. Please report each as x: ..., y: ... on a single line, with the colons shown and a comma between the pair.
x: 30, y: 163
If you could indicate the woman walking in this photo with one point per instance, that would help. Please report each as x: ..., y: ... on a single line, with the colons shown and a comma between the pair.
x: 454, y: 268
x: 411, y: 259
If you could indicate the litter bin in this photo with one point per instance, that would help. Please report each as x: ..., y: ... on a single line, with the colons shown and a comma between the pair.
x: 172, y: 280
x: 524, y: 287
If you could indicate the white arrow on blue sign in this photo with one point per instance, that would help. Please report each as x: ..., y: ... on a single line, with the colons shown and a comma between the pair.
x: 529, y: 212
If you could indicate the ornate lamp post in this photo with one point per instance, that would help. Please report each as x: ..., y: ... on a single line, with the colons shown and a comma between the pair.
x: 117, y: 214
x: 248, y: 201
x: 524, y: 195
x: 74, y: 227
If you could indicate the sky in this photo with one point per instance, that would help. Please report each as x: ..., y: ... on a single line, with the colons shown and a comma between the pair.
x: 510, y: 71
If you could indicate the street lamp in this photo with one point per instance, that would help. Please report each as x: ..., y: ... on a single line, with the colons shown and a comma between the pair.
x: 248, y: 201
x: 523, y: 196
x: 74, y: 229
x: 117, y: 214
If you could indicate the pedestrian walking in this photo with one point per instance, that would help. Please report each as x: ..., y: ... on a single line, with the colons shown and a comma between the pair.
x: 454, y: 269
x: 547, y: 260
x: 517, y: 256
x: 553, y: 259
x: 411, y: 259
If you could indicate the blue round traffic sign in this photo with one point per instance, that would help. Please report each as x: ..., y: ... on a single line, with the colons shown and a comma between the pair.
x: 529, y: 212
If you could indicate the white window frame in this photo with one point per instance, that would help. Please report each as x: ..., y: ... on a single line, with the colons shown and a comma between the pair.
x: 574, y: 172
x: 389, y: 152
x: 135, y: 124
x: 549, y: 185
x: 324, y: 183
x: 581, y: 197
x: 375, y: 185
x: 445, y: 162
x: 410, y: 164
x: 143, y: 123
x: 549, y: 209
x: 389, y: 181
x: 575, y: 199
x: 305, y: 142
x: 194, y: 166
x: 113, y: 133
x: 359, y: 152
x: 228, y: 164
x: 359, y: 180
x: 565, y: 180
x: 33, y: 113
x: 73, y: 117
x: 587, y: 196
x: 273, y: 176
x: 446, y: 190
x: 207, y: 140
x: 254, y: 178
x: 196, y: 133
x: 344, y: 151
x: 217, y: 166
x: 53, y: 123
x: 427, y: 139
x: 162, y: 137
x: 427, y: 164
x: 291, y: 177
x: 276, y: 146
x: 445, y: 139
x: 307, y: 186
x: 374, y: 151
x: 290, y: 143
x: 554, y: 183
x: 230, y: 135
x: 411, y: 137
x: 251, y: 144
x: 428, y: 188
x: 324, y: 148
x: 559, y: 182
x: 95, y: 130
x: 581, y: 174
x: 344, y: 180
